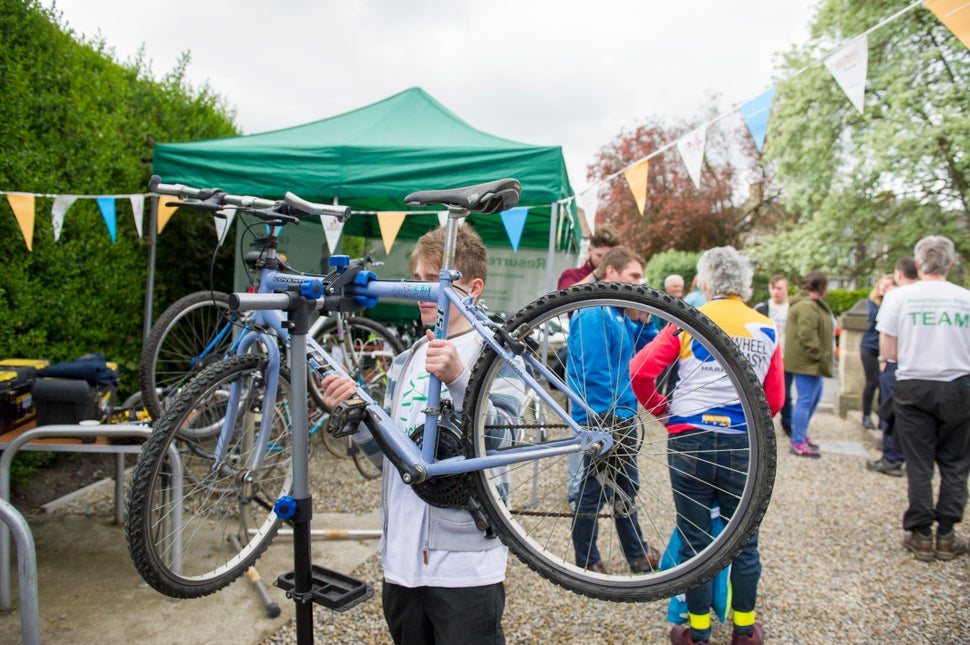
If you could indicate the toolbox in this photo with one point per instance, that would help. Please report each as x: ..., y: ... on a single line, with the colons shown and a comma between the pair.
x: 17, y: 376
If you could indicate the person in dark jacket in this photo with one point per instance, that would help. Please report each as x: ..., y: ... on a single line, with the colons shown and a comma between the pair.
x: 809, y: 351
x: 869, y: 348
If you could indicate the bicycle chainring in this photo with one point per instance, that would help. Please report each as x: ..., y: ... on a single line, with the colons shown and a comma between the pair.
x: 445, y: 491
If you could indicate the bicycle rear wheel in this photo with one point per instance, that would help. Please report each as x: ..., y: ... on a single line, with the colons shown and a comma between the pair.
x: 366, y: 349
x: 528, y: 503
x: 191, y: 334
x: 182, y: 513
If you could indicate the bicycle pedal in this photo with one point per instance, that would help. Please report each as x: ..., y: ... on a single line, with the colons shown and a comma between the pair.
x: 345, y: 418
x: 329, y: 588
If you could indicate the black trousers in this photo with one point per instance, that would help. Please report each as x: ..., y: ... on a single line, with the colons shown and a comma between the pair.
x: 870, y: 366
x: 444, y: 615
x: 933, y: 428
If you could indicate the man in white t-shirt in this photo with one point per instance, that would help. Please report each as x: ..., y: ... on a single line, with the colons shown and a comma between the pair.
x: 443, y: 578
x: 925, y: 328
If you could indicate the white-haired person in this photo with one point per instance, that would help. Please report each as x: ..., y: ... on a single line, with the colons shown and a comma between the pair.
x: 925, y: 328
x: 703, y: 450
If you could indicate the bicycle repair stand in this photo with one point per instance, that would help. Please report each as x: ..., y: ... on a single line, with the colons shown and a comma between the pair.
x: 307, y: 583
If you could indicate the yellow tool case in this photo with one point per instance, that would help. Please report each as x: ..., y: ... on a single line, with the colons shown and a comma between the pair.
x: 17, y: 376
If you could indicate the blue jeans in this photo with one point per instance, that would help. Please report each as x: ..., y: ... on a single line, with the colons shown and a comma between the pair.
x: 786, y: 407
x: 887, y: 383
x: 809, y: 393
x: 708, y: 469
x: 592, y: 497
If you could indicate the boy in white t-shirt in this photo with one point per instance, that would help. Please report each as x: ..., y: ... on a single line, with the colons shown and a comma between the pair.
x: 925, y: 328
x: 443, y: 578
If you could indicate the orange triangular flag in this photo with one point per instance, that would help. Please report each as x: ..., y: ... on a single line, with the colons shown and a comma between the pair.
x: 165, y: 211
x: 390, y: 223
x: 636, y: 179
x: 955, y: 14
x: 23, y: 209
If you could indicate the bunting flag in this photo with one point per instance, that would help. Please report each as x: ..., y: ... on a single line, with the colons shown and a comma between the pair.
x: 588, y: 201
x: 138, y: 211
x: 390, y: 223
x: 514, y: 221
x: 223, y: 222
x: 165, y: 211
x: 58, y: 210
x: 23, y: 209
x: 850, y: 66
x: 756, y: 113
x: 955, y: 14
x: 691, y: 147
x: 332, y: 228
x: 636, y: 179
x: 107, y: 206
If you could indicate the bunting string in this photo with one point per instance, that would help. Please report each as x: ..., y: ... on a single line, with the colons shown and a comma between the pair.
x: 847, y: 62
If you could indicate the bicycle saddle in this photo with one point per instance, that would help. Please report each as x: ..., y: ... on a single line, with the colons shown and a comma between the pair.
x: 486, y: 198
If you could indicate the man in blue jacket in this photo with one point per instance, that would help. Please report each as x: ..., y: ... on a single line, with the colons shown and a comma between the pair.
x: 605, y: 378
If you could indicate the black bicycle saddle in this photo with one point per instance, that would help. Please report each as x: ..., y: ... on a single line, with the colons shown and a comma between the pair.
x: 487, y: 198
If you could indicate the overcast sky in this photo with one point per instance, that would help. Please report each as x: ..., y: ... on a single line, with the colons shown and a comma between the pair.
x: 564, y: 72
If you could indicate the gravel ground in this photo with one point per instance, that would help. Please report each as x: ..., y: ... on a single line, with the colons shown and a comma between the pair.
x: 834, y: 569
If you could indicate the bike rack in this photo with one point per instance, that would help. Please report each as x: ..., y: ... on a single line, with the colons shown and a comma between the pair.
x: 117, y: 431
x: 26, y: 572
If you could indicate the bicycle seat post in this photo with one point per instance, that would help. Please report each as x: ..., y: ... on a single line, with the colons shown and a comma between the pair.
x: 455, y: 215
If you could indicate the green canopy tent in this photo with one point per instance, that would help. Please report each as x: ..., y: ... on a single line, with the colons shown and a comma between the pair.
x: 372, y: 157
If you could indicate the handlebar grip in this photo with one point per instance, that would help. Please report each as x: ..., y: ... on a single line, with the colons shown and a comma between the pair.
x: 155, y: 185
x: 305, y: 207
x: 248, y: 301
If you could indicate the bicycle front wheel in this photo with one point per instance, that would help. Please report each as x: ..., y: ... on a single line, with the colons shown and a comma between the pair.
x: 191, y: 334
x: 560, y: 519
x: 197, y: 522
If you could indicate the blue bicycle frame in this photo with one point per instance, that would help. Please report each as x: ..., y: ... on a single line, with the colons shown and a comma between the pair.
x: 443, y: 293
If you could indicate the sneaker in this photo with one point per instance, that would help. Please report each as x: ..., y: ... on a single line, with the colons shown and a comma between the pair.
x: 881, y: 465
x: 804, y: 450
x: 680, y: 635
x: 867, y: 423
x: 950, y: 546
x: 919, y: 545
x: 811, y: 444
x: 757, y: 636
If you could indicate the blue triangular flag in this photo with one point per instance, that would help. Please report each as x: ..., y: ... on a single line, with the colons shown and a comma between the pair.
x: 514, y: 221
x: 107, y: 206
x: 755, y: 114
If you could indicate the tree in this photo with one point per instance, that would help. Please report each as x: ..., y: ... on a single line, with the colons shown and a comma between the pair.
x: 867, y: 186
x: 75, y: 121
x: 677, y: 215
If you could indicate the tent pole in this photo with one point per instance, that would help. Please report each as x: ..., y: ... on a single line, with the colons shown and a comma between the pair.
x: 550, y: 269
x: 150, y: 282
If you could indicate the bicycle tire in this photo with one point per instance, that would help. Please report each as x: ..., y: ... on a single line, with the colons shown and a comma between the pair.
x: 218, y: 500
x: 373, y: 348
x: 532, y: 513
x: 367, y: 468
x: 170, y: 354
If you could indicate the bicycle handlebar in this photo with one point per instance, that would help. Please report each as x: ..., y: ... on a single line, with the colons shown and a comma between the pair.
x: 297, y: 205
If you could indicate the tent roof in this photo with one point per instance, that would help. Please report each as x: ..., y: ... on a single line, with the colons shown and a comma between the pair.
x: 371, y: 158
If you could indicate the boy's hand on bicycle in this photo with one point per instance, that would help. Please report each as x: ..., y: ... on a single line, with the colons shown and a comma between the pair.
x: 442, y: 359
x: 337, y: 389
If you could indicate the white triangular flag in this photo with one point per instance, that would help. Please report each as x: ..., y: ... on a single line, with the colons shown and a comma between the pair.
x: 332, y: 228
x: 588, y: 201
x: 58, y: 210
x: 223, y: 223
x: 138, y: 211
x: 850, y: 67
x: 691, y: 147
